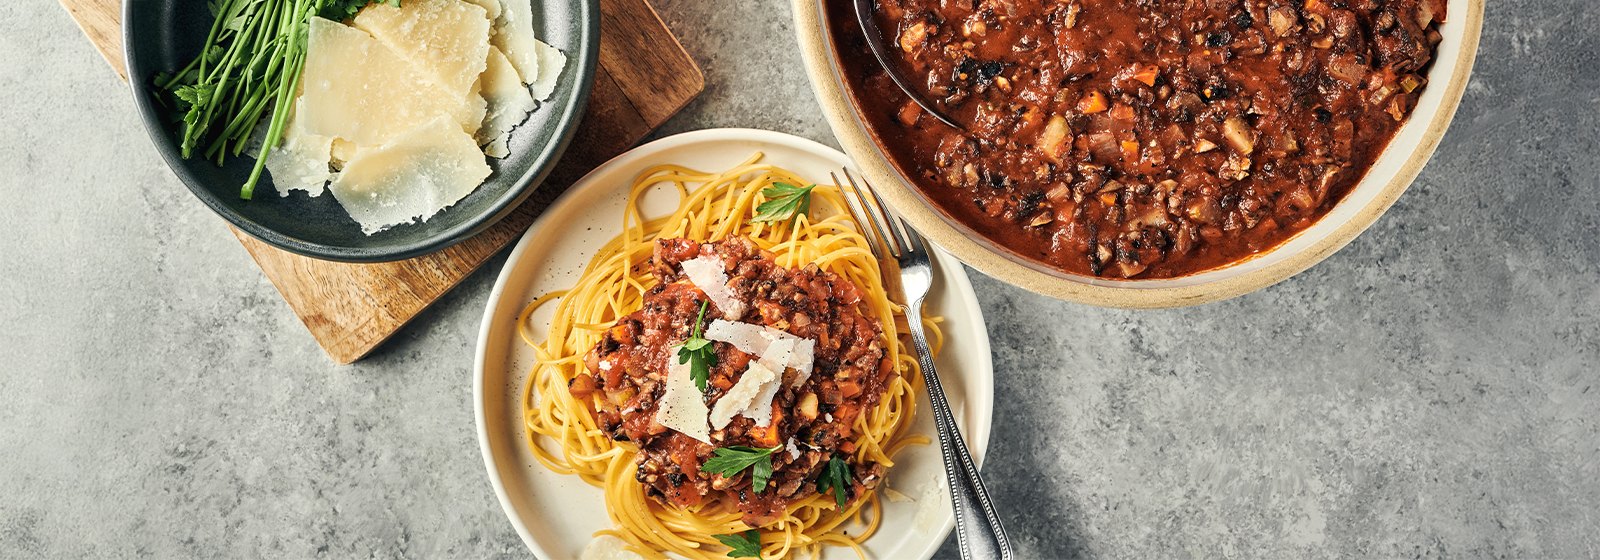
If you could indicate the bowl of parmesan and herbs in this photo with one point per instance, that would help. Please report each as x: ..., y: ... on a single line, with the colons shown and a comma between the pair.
x: 361, y: 130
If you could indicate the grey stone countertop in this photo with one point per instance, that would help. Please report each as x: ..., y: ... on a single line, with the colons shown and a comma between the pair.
x: 1428, y: 392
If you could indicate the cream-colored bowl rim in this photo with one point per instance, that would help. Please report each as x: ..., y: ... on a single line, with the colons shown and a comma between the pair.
x: 1401, y: 162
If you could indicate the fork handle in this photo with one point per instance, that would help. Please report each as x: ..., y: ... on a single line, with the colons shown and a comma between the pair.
x: 978, y: 528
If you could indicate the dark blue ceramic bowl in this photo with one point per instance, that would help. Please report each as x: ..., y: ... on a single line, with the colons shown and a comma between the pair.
x: 163, y: 35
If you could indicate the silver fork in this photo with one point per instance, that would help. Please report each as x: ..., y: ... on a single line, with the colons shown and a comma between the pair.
x: 977, y: 527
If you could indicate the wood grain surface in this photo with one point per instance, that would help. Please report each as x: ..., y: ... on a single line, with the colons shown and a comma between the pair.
x: 643, y: 78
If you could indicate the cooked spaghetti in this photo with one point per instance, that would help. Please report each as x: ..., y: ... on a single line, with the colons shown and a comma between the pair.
x: 799, y: 371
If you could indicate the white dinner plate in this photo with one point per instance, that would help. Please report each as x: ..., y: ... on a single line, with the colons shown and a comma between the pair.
x: 557, y: 515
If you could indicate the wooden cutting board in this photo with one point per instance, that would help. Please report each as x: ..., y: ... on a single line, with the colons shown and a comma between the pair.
x: 643, y: 78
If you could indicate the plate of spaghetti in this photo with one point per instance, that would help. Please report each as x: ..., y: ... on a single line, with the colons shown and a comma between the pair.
x: 693, y: 354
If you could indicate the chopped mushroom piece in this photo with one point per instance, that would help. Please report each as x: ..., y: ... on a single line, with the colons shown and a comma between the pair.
x: 1238, y: 134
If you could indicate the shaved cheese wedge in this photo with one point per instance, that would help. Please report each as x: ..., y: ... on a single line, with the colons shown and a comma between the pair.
x: 513, y: 34
x: 300, y: 161
x: 802, y: 359
x: 681, y: 406
x: 706, y: 273
x: 751, y: 385
x: 607, y: 547
x: 375, y: 101
x: 446, y: 40
x: 775, y: 358
x: 755, y: 340
x: 343, y: 150
x: 551, y: 61
x: 422, y: 172
x: 492, y: 7
x: 509, y: 104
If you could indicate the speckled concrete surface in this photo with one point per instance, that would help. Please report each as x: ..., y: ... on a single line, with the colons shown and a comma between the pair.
x: 1426, y: 393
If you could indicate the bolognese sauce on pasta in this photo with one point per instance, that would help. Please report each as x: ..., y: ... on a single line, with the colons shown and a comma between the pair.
x: 731, y: 373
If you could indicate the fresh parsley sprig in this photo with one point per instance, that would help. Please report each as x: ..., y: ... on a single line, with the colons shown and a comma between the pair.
x: 698, y: 353
x: 835, y: 477
x: 744, y: 545
x: 729, y: 461
x: 784, y: 201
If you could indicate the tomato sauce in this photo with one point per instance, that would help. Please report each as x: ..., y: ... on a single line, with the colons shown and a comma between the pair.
x: 1140, y: 138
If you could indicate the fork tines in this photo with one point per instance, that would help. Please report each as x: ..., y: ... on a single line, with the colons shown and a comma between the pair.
x: 889, y: 235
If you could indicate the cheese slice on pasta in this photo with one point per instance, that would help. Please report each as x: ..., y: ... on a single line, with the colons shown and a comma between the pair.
x: 681, y: 407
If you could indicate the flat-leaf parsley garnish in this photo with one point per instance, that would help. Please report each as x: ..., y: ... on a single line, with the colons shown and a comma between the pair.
x: 744, y: 545
x: 729, y: 461
x: 835, y: 476
x: 784, y: 201
x: 698, y: 353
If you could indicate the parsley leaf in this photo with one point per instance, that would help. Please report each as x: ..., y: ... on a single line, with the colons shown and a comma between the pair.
x: 729, y: 461
x: 340, y: 10
x: 835, y: 476
x: 744, y: 545
x: 698, y: 353
x: 784, y: 201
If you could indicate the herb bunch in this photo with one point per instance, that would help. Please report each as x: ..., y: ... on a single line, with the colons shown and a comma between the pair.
x: 249, y: 64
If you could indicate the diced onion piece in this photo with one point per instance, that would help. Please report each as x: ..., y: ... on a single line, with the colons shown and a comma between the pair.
x: 682, y: 408
x: 1053, y: 141
x: 706, y: 273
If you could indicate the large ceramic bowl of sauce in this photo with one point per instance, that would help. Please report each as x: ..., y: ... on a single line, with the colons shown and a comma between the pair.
x: 1143, y: 157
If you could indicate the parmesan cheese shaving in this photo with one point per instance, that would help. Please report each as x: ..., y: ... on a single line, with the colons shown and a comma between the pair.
x: 300, y: 161
x: 422, y: 172
x: 491, y: 7
x: 551, y: 61
x: 774, y: 359
x: 682, y: 407
x: 756, y: 339
x: 375, y: 101
x: 607, y: 547
x: 802, y: 359
x: 446, y: 40
x: 706, y: 273
x: 513, y: 34
x: 752, y: 384
x: 509, y: 104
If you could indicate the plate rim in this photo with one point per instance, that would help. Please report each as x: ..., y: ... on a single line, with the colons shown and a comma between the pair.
x: 587, y: 61
x: 978, y: 410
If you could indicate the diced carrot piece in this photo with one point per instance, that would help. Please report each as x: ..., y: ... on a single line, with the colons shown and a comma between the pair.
x: 1147, y: 75
x: 1130, y: 151
x: 849, y: 388
x: 768, y: 436
x: 1092, y: 103
x: 1122, y: 112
